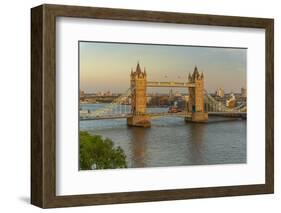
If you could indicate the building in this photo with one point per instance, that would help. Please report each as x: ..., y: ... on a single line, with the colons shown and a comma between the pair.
x: 220, y: 92
x: 100, y: 94
x: 171, y: 95
x: 177, y: 94
x: 108, y: 93
x: 231, y: 102
x: 148, y: 99
x: 82, y: 93
x: 243, y: 92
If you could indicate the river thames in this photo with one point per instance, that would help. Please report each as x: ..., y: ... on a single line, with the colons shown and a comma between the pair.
x: 172, y: 142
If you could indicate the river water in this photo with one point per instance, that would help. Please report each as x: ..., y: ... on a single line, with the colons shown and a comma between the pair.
x: 172, y: 142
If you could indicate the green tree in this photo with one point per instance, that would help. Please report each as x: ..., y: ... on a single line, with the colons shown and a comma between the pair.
x: 99, y: 153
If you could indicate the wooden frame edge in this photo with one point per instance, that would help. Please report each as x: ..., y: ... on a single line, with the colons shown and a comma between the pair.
x: 269, y: 118
x: 43, y: 104
x: 36, y: 106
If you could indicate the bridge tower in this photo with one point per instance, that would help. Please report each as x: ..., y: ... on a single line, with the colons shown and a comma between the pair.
x: 138, y: 99
x: 196, y: 98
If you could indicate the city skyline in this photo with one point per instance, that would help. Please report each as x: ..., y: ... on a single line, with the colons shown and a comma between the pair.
x: 107, y: 66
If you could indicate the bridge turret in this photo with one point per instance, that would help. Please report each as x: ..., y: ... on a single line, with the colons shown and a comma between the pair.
x: 138, y: 73
x: 196, y: 96
x: 138, y: 98
x: 195, y: 74
x: 138, y: 69
x: 189, y: 77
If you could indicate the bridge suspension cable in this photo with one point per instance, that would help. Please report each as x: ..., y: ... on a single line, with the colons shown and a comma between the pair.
x: 115, y: 107
x: 219, y: 106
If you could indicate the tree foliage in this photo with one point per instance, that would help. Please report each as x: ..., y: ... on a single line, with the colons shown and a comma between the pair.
x: 99, y: 153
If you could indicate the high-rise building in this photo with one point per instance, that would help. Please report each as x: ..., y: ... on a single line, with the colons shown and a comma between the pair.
x: 243, y: 92
x: 220, y: 92
x: 231, y: 102
x: 171, y: 94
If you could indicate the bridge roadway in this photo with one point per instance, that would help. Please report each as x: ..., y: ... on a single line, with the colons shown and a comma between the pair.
x: 229, y: 114
x: 118, y: 116
x: 160, y: 114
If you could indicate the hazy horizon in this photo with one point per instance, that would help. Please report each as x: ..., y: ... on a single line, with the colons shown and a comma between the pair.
x: 107, y: 66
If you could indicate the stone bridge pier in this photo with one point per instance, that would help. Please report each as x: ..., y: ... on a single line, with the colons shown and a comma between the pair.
x: 138, y: 99
x: 196, y: 98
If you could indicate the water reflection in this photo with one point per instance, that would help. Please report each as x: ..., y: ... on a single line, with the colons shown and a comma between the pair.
x: 196, y: 141
x: 138, y: 146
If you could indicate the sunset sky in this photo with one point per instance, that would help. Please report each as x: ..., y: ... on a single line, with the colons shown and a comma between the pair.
x: 107, y: 66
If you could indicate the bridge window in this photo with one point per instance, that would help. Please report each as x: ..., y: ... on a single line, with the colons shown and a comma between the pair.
x: 193, y: 108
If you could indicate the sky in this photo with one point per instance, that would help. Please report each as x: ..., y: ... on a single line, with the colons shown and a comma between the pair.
x: 107, y: 66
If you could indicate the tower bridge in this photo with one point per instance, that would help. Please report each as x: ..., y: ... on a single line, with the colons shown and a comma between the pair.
x: 200, y: 103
